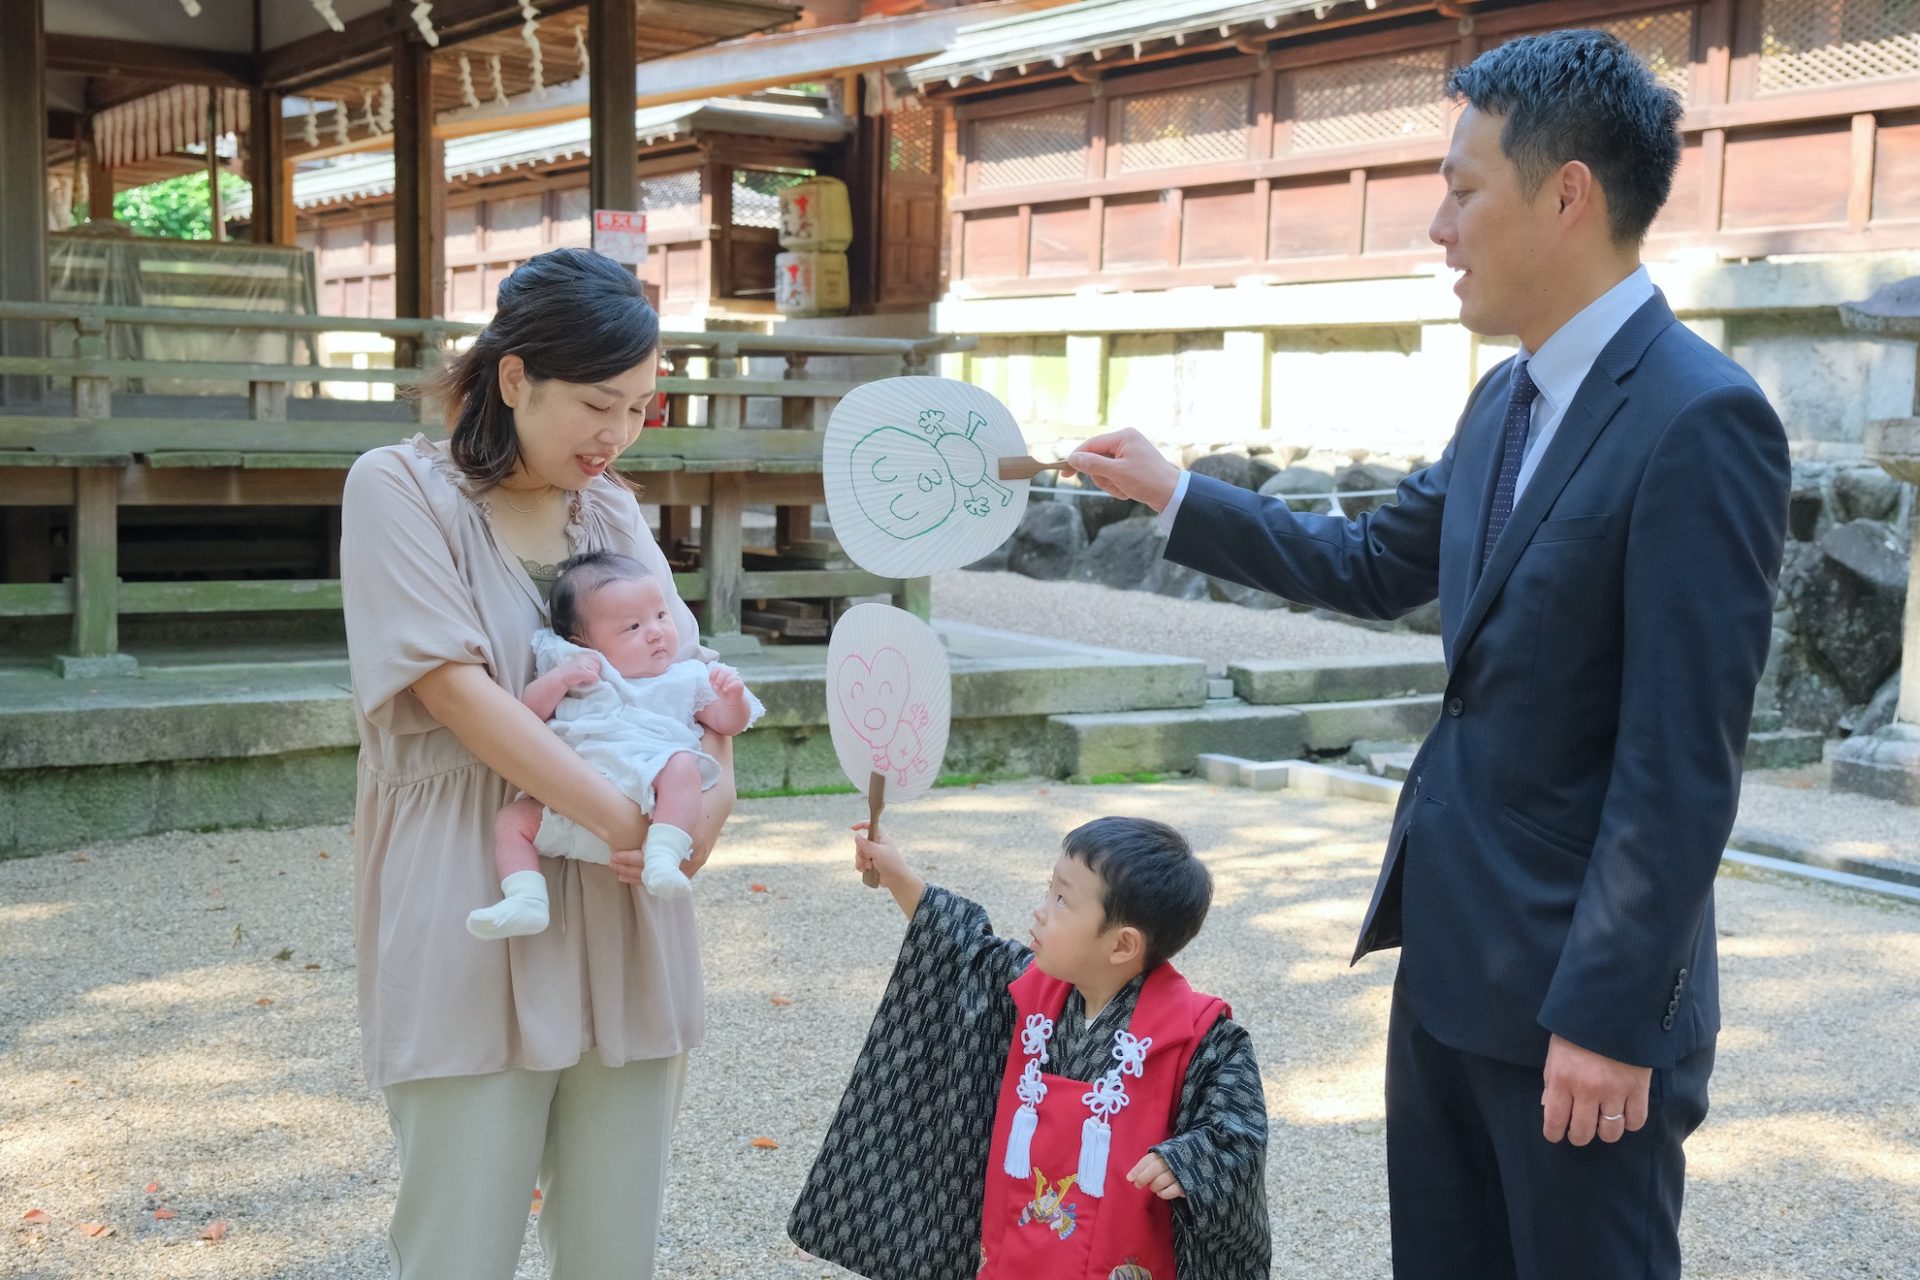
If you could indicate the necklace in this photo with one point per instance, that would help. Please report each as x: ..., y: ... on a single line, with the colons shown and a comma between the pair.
x: 526, y: 510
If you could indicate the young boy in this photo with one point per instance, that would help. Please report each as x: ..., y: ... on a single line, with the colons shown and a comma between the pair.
x: 1067, y: 1108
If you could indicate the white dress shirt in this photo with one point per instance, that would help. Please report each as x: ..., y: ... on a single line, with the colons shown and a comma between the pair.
x: 1558, y: 368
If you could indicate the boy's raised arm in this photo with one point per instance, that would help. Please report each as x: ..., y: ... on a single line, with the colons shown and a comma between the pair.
x: 880, y: 855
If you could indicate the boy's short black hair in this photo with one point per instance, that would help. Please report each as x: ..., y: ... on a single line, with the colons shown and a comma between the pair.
x: 1152, y: 880
x: 1582, y: 95
x: 581, y: 576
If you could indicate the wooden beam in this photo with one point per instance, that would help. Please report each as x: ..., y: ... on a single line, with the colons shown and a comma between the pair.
x: 1860, y: 190
x: 613, y: 179
x: 328, y: 55
x: 173, y: 64
x: 419, y: 199
x: 23, y: 186
x: 96, y: 561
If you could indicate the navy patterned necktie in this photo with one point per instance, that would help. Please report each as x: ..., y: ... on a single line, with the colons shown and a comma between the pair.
x: 1513, y: 451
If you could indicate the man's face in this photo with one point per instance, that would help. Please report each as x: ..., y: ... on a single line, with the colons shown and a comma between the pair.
x: 1502, y: 240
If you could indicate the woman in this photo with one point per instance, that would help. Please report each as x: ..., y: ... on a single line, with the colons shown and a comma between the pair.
x: 558, y: 1057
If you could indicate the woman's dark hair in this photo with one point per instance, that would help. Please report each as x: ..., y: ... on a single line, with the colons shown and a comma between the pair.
x: 1151, y: 880
x: 1581, y: 95
x: 569, y: 314
x: 579, y: 577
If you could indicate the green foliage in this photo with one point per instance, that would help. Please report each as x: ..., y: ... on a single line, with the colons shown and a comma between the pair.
x: 1115, y: 779
x: 177, y: 207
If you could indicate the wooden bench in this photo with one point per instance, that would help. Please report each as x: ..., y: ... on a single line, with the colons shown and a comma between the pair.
x: 96, y: 463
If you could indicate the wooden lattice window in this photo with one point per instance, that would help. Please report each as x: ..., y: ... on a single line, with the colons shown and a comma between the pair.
x: 1806, y: 44
x: 1018, y: 151
x: 671, y: 199
x: 910, y: 142
x: 756, y: 196
x: 1664, y: 41
x: 1370, y: 101
x: 1199, y: 124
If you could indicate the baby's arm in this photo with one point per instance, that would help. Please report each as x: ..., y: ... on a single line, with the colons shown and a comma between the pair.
x: 728, y: 713
x: 543, y: 695
x: 880, y: 855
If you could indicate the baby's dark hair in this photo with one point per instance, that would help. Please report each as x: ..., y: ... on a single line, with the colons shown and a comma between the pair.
x: 1152, y: 880
x: 581, y: 576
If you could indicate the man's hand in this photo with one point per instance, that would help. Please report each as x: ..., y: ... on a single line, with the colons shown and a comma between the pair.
x: 1583, y: 1088
x: 1125, y: 465
x: 580, y: 670
x: 1152, y: 1173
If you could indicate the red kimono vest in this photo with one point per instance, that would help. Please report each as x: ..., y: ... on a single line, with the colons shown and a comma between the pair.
x: 1058, y: 1204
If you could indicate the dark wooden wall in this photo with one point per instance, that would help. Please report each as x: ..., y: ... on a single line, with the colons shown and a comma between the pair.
x: 1320, y: 162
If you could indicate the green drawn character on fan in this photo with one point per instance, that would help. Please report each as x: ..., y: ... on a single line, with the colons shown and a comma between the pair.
x: 909, y: 484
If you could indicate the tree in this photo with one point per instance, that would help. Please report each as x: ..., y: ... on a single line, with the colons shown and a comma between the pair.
x: 177, y: 207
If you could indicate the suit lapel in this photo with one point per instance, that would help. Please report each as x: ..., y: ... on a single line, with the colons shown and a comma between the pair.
x: 1593, y: 407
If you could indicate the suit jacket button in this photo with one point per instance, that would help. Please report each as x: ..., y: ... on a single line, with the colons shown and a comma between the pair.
x: 1455, y: 707
x: 1680, y: 977
x: 1666, y: 1023
x: 1673, y: 1006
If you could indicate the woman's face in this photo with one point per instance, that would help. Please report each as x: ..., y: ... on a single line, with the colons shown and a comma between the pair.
x: 570, y: 432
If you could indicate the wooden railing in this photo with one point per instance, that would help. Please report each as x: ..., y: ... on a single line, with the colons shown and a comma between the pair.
x: 195, y: 451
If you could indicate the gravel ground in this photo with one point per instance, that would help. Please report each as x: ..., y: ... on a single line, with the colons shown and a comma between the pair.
x: 1219, y: 633
x: 1797, y: 809
x: 136, y: 1046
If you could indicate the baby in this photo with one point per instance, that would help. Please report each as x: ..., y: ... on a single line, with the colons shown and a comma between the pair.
x: 613, y: 692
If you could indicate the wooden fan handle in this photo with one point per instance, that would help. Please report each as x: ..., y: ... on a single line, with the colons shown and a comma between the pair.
x: 1025, y: 468
x: 876, y: 801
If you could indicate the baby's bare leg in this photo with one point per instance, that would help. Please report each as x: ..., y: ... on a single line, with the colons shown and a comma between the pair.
x: 676, y: 805
x: 523, y: 908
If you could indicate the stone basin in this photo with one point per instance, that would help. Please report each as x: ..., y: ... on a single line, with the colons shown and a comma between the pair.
x: 1894, y: 444
x: 1892, y: 312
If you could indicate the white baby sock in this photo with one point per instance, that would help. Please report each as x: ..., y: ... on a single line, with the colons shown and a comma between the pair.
x: 666, y: 848
x: 522, y: 911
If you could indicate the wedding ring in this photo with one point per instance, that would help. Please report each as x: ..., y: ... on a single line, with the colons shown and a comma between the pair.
x: 1621, y: 1116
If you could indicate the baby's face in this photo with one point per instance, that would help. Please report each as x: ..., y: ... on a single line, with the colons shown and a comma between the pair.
x: 629, y: 623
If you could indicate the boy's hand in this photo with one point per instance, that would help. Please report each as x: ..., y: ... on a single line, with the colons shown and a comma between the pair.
x: 580, y: 670
x: 877, y: 855
x: 1152, y: 1173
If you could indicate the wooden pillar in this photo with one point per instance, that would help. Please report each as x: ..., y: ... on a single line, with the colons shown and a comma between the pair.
x: 720, y: 559
x: 419, y: 191
x: 613, y: 174
x: 863, y: 167
x: 217, y: 217
x: 268, y: 171
x: 23, y: 187
x: 95, y: 577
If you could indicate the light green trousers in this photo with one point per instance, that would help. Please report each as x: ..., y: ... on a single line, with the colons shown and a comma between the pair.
x: 472, y: 1147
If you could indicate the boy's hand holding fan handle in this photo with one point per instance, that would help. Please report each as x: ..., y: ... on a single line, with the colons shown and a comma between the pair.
x: 889, y: 700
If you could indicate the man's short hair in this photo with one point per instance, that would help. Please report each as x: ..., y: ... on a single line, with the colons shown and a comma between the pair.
x: 579, y: 577
x: 1151, y: 880
x: 1581, y: 95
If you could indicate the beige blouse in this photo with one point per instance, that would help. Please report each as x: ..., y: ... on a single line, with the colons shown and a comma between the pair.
x: 424, y: 582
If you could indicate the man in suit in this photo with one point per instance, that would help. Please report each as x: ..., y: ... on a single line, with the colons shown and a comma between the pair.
x: 1603, y: 534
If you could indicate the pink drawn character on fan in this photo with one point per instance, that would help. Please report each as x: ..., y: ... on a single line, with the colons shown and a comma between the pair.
x: 874, y: 693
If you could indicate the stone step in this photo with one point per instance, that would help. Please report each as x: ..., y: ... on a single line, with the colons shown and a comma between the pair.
x: 1784, y: 749
x: 1281, y: 682
x: 1336, y: 726
x: 1099, y: 745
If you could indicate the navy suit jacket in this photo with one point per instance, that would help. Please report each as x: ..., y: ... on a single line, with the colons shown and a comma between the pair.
x: 1552, y: 857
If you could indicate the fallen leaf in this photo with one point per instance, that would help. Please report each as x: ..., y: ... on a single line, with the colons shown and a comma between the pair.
x: 535, y: 1210
x: 35, y: 1215
x: 314, y: 965
x: 537, y: 1195
x: 264, y: 1001
x: 213, y: 1231
x: 757, y: 888
x: 324, y: 855
x: 81, y: 857
x: 98, y: 1230
x: 765, y: 1144
x: 233, y: 862
x: 152, y: 1187
x: 164, y: 1214
x: 284, y: 953
x: 781, y: 1002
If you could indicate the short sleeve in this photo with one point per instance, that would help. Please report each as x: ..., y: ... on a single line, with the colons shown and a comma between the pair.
x: 408, y: 609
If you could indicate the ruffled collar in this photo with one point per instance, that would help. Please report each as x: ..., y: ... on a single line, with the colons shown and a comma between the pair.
x: 584, y: 530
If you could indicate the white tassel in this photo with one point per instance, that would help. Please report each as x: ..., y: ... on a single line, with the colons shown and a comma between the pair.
x: 1096, y: 1137
x: 341, y: 124
x: 367, y: 117
x: 422, y: 16
x: 1032, y: 1091
x: 580, y: 46
x: 386, y: 106
x: 1019, y: 1161
x: 325, y: 9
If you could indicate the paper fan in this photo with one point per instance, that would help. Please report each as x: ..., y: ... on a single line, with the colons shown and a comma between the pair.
x: 912, y: 475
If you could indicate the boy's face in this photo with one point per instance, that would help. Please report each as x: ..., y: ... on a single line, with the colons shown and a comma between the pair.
x: 628, y: 621
x: 1071, y: 939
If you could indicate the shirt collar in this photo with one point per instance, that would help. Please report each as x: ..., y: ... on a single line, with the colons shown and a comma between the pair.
x: 1565, y: 359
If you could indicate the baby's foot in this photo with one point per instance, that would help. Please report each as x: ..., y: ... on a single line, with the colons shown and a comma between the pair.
x: 666, y: 848
x: 522, y: 911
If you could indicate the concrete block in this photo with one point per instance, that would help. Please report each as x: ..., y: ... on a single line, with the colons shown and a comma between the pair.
x: 104, y: 667
x: 1335, y: 726
x: 1784, y: 749
x: 1220, y: 770
x: 1312, y: 779
x: 1279, y: 682
x: 1220, y: 687
x: 1885, y: 765
x: 1168, y: 741
x: 1271, y: 775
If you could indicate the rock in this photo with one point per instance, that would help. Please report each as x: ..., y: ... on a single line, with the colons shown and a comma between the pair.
x: 1301, y: 480
x: 1878, y: 712
x: 1865, y: 493
x: 1246, y: 597
x: 1123, y: 555
x: 1810, y: 694
x: 1234, y: 468
x: 1805, y: 506
x: 994, y: 561
x: 1850, y: 604
x: 1097, y: 509
x: 1176, y: 581
x: 1424, y: 620
x: 1360, y: 477
x: 1050, y: 543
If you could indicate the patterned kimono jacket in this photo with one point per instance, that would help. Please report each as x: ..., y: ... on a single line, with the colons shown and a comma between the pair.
x: 896, y: 1192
